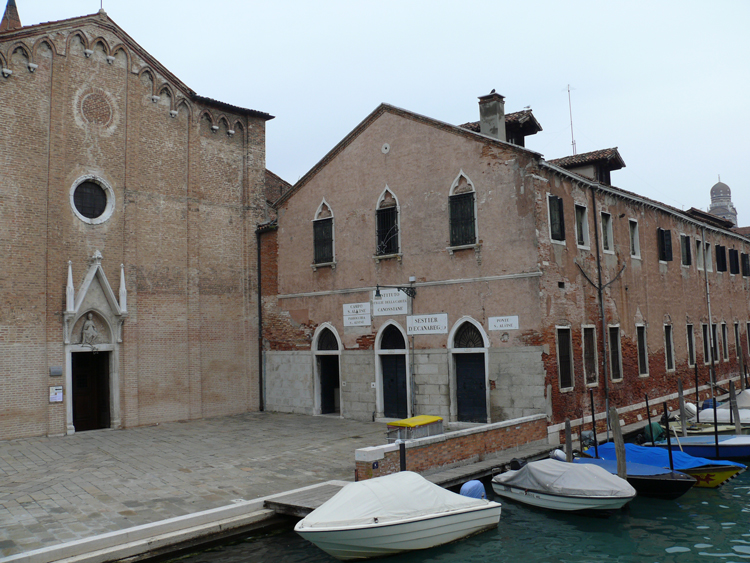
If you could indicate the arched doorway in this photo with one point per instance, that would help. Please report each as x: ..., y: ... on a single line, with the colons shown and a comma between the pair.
x: 469, y: 352
x: 392, y: 355
x: 327, y: 368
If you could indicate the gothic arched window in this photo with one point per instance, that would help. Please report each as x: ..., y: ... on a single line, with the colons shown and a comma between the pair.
x: 468, y: 336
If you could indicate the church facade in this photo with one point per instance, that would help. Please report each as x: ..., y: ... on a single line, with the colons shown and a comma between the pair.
x: 128, y: 209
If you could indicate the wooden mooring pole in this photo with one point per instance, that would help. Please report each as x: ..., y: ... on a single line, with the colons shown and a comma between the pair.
x: 622, y: 469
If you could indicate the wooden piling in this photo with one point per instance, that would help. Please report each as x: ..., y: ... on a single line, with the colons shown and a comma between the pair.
x: 735, y: 409
x: 622, y: 470
x: 568, y: 442
x: 683, y: 414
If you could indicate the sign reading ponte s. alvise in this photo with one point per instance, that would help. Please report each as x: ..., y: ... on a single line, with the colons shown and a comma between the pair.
x: 427, y: 324
x: 357, y: 314
x: 503, y: 323
x: 391, y: 302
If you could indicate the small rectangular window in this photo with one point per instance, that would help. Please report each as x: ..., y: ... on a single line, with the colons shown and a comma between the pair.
x: 589, y: 355
x: 556, y: 220
x: 691, y: 346
x: 699, y: 254
x: 614, y: 352
x: 582, y: 226
x: 721, y: 258
x: 642, y: 350
x: 607, y: 242
x: 707, y: 254
x: 714, y: 343
x: 734, y: 261
x: 387, y: 231
x: 669, y: 347
x: 565, y: 358
x: 463, y: 225
x: 635, y: 243
x: 737, y: 341
x: 724, y: 341
x: 706, y: 345
x: 745, y: 265
x: 664, y: 240
x: 687, y: 259
x: 323, y: 240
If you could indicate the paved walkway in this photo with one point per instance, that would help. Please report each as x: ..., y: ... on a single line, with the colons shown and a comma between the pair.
x: 55, y: 490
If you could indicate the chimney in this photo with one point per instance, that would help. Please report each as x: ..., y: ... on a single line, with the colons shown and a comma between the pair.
x: 492, y: 116
x: 10, y: 19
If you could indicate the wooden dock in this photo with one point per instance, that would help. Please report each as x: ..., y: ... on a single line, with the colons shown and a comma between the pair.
x: 302, y: 502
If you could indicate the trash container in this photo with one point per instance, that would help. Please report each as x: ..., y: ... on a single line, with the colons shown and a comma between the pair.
x: 414, y: 427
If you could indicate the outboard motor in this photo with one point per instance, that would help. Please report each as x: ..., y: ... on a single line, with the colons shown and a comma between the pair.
x: 587, y: 439
x: 473, y: 489
x: 516, y: 464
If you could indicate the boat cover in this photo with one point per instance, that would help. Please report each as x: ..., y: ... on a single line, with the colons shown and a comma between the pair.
x: 473, y: 489
x: 743, y: 399
x: 390, y: 498
x: 562, y: 478
x: 658, y: 457
x: 633, y: 469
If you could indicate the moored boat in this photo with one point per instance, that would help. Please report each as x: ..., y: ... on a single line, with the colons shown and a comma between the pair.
x: 558, y: 485
x: 729, y: 446
x: 392, y: 514
x: 707, y: 473
x: 648, y: 480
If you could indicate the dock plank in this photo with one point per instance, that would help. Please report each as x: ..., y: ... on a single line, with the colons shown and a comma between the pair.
x: 302, y: 503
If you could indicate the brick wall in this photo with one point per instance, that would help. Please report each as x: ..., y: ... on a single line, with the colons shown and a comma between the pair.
x: 188, y: 183
x: 452, y: 448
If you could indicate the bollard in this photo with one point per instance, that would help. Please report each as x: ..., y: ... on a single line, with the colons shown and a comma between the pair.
x: 402, y: 454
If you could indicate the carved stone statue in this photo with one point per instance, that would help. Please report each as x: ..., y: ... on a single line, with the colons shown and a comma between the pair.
x: 89, y: 332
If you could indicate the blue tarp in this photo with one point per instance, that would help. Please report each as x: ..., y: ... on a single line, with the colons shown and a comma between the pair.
x: 657, y: 456
x: 633, y: 469
x: 473, y: 489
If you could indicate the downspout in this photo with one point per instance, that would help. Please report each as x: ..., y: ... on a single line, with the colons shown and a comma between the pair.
x: 711, y: 344
x: 600, y: 292
x: 261, y: 386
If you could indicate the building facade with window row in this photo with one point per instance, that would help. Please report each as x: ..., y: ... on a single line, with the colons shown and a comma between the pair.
x: 533, y: 281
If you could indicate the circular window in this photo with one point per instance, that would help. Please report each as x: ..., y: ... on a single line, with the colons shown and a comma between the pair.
x: 92, y: 200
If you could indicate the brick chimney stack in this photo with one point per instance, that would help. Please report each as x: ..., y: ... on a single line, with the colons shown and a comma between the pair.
x: 492, y: 116
x: 11, y: 20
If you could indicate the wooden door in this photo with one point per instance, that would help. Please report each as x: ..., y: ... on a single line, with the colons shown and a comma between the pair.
x: 470, y: 388
x: 394, y: 386
x: 90, y: 379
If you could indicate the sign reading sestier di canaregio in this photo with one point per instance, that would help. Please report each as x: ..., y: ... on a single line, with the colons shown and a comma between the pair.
x: 391, y: 302
x: 427, y: 324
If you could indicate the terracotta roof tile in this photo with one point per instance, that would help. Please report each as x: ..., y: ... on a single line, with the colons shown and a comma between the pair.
x: 574, y: 161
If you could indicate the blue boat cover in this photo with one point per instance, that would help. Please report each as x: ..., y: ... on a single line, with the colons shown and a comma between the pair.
x: 633, y: 469
x: 473, y: 489
x: 657, y: 456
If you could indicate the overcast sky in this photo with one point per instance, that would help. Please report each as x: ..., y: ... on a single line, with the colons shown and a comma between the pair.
x: 666, y: 82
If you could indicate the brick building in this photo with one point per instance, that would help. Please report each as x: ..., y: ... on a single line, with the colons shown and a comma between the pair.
x: 128, y: 210
x: 494, y: 257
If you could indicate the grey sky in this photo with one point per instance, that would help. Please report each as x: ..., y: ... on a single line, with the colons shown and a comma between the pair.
x: 667, y: 82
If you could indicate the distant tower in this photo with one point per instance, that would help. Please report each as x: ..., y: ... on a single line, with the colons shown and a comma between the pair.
x: 721, y: 202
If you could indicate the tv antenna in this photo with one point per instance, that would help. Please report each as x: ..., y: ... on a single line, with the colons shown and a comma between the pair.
x: 570, y: 109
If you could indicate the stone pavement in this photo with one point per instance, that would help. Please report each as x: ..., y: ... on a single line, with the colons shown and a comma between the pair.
x: 55, y: 490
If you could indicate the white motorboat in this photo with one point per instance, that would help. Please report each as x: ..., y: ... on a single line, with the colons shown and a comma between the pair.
x: 395, y: 513
x: 559, y: 485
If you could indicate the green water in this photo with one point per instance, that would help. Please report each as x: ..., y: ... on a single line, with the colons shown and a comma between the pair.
x: 704, y: 525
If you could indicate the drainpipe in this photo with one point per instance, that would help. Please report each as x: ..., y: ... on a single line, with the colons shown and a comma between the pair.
x: 711, y: 344
x: 261, y: 405
x: 600, y: 292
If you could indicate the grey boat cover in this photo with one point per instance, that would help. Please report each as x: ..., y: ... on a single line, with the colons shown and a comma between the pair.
x: 568, y: 479
x: 388, y: 499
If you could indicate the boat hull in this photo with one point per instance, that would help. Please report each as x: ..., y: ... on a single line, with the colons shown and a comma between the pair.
x: 375, y: 540
x: 713, y: 476
x: 560, y: 502
x: 730, y: 447
x: 667, y: 486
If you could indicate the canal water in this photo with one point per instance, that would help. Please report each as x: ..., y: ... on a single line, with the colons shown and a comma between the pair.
x: 704, y: 525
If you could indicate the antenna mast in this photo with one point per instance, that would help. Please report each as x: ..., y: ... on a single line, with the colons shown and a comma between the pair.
x: 570, y: 109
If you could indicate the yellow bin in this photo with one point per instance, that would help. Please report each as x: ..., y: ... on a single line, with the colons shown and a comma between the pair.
x: 414, y: 427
